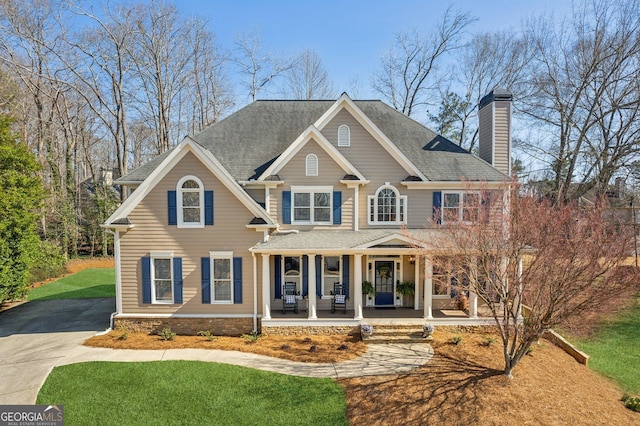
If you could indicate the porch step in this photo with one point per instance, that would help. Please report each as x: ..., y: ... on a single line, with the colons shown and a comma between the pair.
x: 383, y: 334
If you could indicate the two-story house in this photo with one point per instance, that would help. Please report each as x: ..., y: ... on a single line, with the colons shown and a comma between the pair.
x: 296, y: 204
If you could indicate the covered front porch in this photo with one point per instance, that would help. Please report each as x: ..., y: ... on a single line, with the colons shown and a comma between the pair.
x: 305, y: 274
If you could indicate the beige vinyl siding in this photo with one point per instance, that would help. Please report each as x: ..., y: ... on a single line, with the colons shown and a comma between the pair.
x: 502, y: 118
x: 256, y: 193
x: 374, y: 162
x: 330, y: 174
x: 486, y: 133
x: 152, y: 233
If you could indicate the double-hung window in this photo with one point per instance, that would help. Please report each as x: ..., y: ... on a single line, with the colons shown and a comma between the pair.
x: 221, y: 277
x: 458, y: 206
x: 190, y: 202
x: 312, y: 205
x: 387, y: 206
x: 162, y: 278
x: 331, y: 273
x: 292, y: 271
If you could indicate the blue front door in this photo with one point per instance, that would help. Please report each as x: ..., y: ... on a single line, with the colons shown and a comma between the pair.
x: 384, y: 282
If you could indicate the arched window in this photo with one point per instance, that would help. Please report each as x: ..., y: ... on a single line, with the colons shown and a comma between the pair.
x: 344, y: 135
x: 387, y: 206
x: 190, y: 202
x: 312, y: 165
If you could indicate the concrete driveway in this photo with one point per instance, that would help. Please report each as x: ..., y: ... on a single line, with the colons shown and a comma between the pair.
x: 37, y: 336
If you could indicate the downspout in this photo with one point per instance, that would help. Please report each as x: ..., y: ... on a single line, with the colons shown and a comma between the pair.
x: 255, y: 293
x: 116, y: 255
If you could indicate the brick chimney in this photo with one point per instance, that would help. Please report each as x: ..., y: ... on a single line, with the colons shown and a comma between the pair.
x: 494, y: 115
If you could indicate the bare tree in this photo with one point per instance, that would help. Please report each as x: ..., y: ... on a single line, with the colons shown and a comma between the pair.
x: 559, y: 261
x: 258, y: 66
x: 405, y: 78
x: 488, y: 61
x: 583, y: 93
x: 308, y: 79
x: 210, y: 95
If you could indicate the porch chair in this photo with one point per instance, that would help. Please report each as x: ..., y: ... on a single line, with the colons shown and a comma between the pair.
x: 289, y: 299
x: 339, y: 298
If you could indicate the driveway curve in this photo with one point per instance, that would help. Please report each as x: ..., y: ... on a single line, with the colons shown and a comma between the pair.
x: 36, y: 336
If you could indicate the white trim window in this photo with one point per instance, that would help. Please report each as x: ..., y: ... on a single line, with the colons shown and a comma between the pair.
x: 190, y: 194
x: 460, y: 206
x: 312, y: 165
x: 221, y: 276
x: 387, y: 206
x: 331, y: 273
x: 292, y: 272
x: 344, y: 135
x: 312, y: 205
x: 162, y: 278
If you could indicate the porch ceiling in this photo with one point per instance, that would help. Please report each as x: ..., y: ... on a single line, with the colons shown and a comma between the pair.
x: 346, y: 241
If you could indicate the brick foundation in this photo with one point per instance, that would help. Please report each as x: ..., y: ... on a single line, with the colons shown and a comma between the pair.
x: 186, y: 326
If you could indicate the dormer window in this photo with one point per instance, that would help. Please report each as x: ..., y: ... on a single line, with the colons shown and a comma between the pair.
x: 387, y: 206
x: 190, y: 202
x: 344, y: 135
x: 312, y: 165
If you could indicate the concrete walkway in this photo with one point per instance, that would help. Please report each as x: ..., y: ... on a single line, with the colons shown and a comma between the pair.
x: 37, y: 336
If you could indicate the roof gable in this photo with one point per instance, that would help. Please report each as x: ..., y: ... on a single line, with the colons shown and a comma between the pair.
x: 344, y: 102
x: 167, y: 164
x: 311, y: 133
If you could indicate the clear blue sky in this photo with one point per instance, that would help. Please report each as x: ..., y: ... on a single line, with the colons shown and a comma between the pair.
x: 350, y: 36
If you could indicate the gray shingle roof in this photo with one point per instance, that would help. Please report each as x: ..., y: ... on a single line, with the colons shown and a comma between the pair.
x: 318, y: 240
x: 249, y: 140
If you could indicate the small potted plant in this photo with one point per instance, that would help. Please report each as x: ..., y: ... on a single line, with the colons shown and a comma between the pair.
x: 406, y: 289
x: 369, y: 291
x: 366, y: 330
x: 427, y: 331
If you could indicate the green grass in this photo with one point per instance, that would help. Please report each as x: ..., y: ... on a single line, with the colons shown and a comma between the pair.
x: 190, y: 392
x: 97, y: 282
x: 614, y: 350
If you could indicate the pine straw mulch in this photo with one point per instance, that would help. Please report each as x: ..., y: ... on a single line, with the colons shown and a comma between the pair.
x: 464, y: 384
x: 295, y: 348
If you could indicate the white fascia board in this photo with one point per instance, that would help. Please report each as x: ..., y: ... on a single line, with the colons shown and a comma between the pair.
x: 311, y: 133
x: 150, y: 182
x: 458, y: 185
x: 345, y: 102
x: 188, y: 145
x: 391, y: 237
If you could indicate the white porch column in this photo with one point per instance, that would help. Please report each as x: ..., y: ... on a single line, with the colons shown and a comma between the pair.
x: 266, y: 288
x: 428, y: 288
x: 311, y: 262
x: 357, y: 286
x: 473, y: 305
x: 416, y: 280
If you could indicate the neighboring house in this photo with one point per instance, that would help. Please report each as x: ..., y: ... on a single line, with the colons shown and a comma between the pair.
x: 296, y: 196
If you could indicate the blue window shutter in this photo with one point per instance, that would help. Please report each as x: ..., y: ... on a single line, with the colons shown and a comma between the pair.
x: 173, y: 207
x: 177, y: 280
x: 208, y: 207
x: 206, y: 279
x: 437, y: 207
x: 146, y: 279
x: 237, y: 280
x: 337, y: 207
x: 345, y: 274
x: 318, y: 275
x: 286, y: 207
x: 277, y: 276
x: 305, y: 275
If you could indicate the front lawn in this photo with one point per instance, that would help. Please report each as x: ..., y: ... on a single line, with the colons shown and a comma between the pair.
x: 614, y: 349
x: 89, y: 283
x: 189, y: 392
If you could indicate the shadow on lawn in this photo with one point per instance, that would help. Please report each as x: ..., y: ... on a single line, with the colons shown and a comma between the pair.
x: 447, y: 389
x: 96, y: 291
